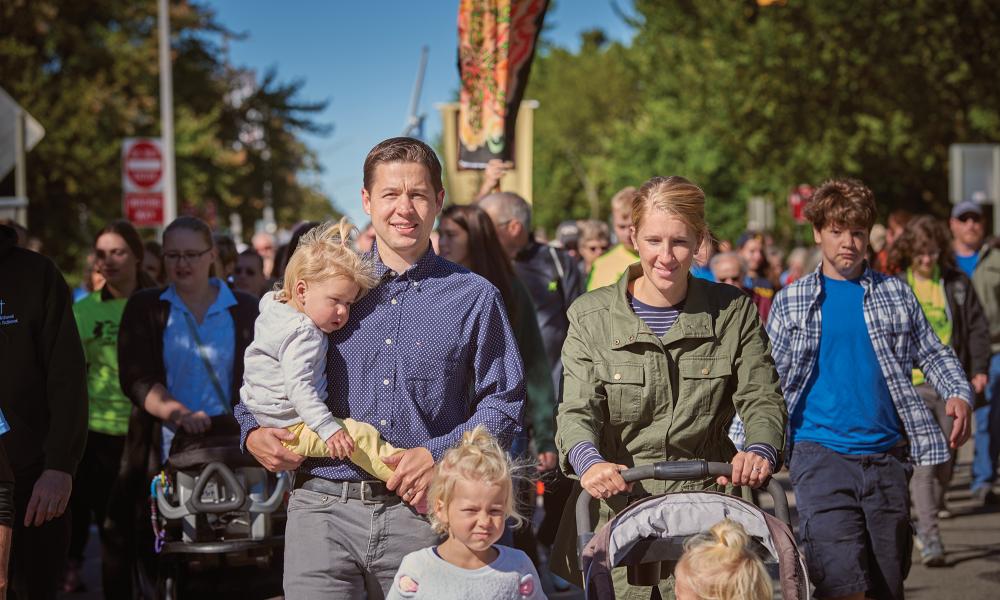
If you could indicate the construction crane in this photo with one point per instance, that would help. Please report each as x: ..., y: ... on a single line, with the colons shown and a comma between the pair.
x: 415, y: 122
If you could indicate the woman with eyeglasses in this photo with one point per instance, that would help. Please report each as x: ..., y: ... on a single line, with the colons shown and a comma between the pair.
x: 923, y: 252
x: 594, y: 241
x: 118, y: 259
x: 180, y: 354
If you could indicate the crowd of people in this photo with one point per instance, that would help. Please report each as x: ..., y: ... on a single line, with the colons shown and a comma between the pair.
x: 407, y: 373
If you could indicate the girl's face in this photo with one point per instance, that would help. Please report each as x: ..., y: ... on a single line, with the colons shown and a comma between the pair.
x: 666, y: 247
x: 188, y: 258
x: 328, y: 302
x: 153, y: 266
x: 923, y: 263
x: 453, y: 242
x: 114, y: 260
x: 476, y: 514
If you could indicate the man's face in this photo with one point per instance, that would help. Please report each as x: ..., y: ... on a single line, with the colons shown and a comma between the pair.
x: 263, y: 243
x: 729, y: 271
x: 622, y: 221
x: 968, y: 229
x: 843, y: 249
x: 508, y: 231
x: 402, y: 204
x: 248, y: 275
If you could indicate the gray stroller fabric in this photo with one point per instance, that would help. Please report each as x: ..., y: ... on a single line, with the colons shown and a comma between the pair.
x: 674, y: 517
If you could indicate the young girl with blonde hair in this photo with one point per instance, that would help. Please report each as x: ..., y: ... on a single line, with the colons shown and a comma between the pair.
x: 471, y: 497
x: 284, y: 384
x: 720, y: 566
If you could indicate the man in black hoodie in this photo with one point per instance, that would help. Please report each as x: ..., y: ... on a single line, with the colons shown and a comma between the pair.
x: 44, y: 399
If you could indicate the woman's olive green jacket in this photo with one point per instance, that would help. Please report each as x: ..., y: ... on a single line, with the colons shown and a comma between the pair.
x: 641, y: 399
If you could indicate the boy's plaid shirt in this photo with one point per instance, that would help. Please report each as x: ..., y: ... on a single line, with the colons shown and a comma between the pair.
x: 902, y: 339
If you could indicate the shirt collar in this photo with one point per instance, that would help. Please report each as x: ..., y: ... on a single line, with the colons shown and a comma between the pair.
x: 694, y: 320
x: 223, y: 301
x: 417, y: 271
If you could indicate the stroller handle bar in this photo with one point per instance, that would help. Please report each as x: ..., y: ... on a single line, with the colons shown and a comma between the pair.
x: 685, y: 470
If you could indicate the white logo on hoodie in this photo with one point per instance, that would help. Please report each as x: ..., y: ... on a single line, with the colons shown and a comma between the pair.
x: 6, y: 319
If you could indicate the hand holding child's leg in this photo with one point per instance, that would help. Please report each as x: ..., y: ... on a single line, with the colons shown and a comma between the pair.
x: 340, y: 444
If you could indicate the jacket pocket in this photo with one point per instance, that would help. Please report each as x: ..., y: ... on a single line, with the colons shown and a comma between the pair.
x: 428, y: 382
x: 623, y: 386
x: 703, y: 381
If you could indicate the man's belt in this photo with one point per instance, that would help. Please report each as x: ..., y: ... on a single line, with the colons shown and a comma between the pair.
x: 366, y: 491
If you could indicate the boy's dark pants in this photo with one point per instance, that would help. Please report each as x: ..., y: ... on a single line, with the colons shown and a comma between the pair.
x: 854, y: 519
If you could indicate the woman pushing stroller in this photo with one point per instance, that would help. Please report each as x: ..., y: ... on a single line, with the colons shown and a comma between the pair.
x: 656, y: 366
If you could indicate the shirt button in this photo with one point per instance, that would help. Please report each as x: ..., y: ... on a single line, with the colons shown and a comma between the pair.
x: 394, y: 301
x: 416, y: 284
x: 385, y: 382
x: 704, y: 371
x: 393, y: 273
x: 388, y: 341
x: 617, y: 341
x: 618, y: 376
x: 382, y: 422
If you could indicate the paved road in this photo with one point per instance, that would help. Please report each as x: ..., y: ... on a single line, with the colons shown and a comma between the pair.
x: 972, y: 541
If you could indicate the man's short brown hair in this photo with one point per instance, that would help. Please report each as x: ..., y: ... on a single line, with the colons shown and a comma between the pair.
x: 622, y: 201
x: 845, y: 202
x: 403, y: 150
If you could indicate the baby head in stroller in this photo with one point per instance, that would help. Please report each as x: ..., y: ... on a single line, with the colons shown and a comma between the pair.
x: 721, y: 565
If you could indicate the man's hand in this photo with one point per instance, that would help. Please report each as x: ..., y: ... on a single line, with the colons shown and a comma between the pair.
x: 413, y: 470
x: 979, y: 382
x: 547, y: 461
x: 959, y: 410
x: 604, y: 480
x: 748, y: 469
x: 265, y: 445
x: 340, y: 445
x: 49, y: 497
x: 495, y: 170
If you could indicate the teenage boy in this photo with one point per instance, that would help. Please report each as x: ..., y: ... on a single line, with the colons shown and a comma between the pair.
x: 608, y: 268
x: 845, y: 340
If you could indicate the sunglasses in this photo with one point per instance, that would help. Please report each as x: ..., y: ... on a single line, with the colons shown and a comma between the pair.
x: 242, y: 271
x: 970, y: 217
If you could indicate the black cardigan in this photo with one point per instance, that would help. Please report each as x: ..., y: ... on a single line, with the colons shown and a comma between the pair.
x: 140, y: 366
x: 970, y: 332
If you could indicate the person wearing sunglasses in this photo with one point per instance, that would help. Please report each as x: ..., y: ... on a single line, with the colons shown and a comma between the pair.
x: 180, y: 352
x: 980, y: 260
x: 249, y: 274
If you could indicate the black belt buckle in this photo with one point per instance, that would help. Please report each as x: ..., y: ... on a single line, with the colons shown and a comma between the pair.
x: 373, y: 492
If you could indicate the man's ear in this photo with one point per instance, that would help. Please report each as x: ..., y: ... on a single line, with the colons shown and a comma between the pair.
x: 366, y: 201
x: 439, y: 202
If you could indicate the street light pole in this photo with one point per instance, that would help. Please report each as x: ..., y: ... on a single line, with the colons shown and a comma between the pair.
x: 167, y: 116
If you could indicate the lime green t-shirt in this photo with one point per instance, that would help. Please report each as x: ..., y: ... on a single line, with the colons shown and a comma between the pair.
x: 97, y: 320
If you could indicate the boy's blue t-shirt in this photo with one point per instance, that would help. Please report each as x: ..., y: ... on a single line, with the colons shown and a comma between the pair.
x: 4, y: 427
x: 967, y: 263
x: 846, y: 405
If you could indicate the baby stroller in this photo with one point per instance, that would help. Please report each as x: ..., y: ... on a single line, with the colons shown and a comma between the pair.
x: 218, y: 518
x: 648, y: 536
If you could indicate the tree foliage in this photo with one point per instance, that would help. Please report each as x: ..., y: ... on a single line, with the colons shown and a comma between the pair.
x: 88, y: 71
x: 750, y: 100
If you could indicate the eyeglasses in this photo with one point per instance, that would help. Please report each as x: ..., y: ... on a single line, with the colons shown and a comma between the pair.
x: 188, y: 257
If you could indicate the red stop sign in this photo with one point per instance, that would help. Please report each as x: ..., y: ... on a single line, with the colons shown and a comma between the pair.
x: 144, y: 165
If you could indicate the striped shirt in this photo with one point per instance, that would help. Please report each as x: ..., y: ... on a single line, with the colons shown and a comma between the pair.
x: 659, y: 319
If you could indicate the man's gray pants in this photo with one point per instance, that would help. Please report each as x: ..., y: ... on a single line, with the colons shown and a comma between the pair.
x: 349, y: 549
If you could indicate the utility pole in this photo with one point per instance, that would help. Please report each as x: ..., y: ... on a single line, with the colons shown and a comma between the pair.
x: 167, y: 116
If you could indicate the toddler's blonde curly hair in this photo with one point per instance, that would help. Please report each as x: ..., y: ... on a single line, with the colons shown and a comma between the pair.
x: 477, y: 458
x: 720, y: 566
x: 325, y: 252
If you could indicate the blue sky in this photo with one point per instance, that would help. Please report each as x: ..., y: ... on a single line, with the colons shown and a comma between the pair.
x: 362, y: 56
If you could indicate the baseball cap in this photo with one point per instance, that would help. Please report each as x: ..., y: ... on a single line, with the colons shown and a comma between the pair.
x: 966, y: 207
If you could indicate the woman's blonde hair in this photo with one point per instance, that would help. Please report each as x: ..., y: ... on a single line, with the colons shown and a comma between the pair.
x: 477, y: 458
x: 325, y: 252
x: 721, y: 566
x: 675, y: 196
